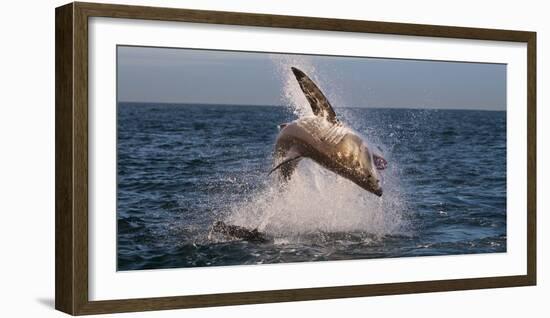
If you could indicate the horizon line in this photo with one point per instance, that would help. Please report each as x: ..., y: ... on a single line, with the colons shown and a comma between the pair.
x: 270, y: 105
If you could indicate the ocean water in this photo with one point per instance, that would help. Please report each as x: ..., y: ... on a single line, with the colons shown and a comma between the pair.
x: 183, y: 167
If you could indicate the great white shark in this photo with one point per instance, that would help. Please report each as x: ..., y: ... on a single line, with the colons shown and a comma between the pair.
x: 324, y: 139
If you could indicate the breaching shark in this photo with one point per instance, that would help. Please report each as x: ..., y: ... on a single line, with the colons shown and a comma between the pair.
x: 324, y: 139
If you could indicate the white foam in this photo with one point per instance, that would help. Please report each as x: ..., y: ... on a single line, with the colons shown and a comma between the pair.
x: 315, y: 200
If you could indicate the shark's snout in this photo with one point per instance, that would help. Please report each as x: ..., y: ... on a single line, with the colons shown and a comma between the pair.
x: 372, y: 185
x: 373, y: 188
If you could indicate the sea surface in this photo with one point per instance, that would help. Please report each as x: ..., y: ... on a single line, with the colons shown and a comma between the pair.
x: 183, y: 167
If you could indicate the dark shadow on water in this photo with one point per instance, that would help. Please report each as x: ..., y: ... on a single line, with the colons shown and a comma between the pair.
x: 48, y: 302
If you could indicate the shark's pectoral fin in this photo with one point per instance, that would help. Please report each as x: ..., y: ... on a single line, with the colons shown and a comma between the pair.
x: 281, y: 126
x: 380, y: 162
x: 287, y: 166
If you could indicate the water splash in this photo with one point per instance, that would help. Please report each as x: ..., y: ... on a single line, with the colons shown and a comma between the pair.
x: 317, y: 200
x: 292, y: 95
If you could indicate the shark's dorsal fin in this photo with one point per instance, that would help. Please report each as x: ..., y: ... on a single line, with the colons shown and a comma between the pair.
x: 319, y: 103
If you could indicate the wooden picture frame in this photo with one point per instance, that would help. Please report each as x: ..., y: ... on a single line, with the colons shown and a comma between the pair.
x: 71, y: 143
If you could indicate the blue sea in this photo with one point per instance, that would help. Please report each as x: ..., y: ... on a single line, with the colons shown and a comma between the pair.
x: 182, y: 167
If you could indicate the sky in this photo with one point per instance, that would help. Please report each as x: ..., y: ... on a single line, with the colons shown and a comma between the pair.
x: 192, y: 76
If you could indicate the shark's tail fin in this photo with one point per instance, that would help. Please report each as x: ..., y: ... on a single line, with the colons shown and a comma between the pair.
x: 318, y: 102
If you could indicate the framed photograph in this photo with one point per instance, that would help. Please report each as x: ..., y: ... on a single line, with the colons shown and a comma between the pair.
x: 219, y: 158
